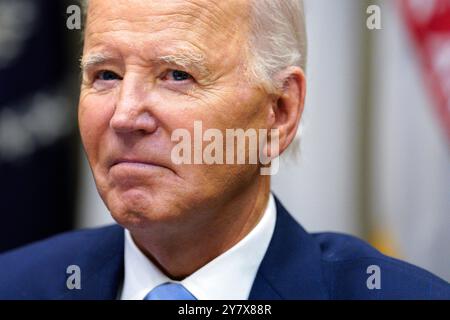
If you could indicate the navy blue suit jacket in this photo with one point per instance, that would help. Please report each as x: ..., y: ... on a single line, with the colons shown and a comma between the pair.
x: 297, y: 265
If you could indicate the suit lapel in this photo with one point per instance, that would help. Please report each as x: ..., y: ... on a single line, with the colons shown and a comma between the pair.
x: 291, y: 268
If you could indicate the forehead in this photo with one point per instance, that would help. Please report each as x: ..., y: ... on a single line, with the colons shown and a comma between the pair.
x: 213, y: 27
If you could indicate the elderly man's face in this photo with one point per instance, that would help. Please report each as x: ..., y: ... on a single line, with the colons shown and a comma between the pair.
x: 153, y: 66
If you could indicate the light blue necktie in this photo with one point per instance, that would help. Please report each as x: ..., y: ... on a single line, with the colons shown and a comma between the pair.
x: 169, y: 291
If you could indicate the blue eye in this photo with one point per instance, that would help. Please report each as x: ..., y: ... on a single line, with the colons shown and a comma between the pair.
x: 178, y: 75
x: 107, y: 76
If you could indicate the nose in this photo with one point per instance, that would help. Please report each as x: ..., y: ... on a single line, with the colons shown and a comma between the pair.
x: 132, y: 112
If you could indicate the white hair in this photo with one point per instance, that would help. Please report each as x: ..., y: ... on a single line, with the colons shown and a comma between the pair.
x: 277, y: 38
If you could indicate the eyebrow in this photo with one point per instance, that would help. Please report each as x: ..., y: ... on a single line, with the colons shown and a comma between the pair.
x: 185, y: 59
x: 94, y: 59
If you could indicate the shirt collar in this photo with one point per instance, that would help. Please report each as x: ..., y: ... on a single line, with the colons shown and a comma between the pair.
x: 230, y: 276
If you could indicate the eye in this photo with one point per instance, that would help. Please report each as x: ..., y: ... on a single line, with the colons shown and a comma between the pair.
x: 178, y: 75
x: 106, y: 75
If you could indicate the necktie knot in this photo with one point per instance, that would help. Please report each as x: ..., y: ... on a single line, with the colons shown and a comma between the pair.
x: 169, y: 291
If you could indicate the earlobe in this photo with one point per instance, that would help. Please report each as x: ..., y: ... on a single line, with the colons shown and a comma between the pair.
x: 288, y: 106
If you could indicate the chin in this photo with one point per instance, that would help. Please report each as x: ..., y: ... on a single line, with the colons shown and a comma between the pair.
x: 137, y: 209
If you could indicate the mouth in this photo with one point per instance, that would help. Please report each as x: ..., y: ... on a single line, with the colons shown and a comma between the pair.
x: 120, y: 161
x: 136, y: 164
x: 133, y: 162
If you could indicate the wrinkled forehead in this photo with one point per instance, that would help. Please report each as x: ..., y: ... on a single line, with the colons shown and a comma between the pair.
x: 209, y: 25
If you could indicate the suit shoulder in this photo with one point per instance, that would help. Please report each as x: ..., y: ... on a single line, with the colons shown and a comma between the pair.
x: 353, y: 269
x: 42, y: 261
x: 61, y: 244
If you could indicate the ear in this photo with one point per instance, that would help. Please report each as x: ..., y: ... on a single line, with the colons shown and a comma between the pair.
x: 287, y: 106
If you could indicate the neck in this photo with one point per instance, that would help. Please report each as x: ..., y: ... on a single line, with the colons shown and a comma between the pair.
x: 182, y: 249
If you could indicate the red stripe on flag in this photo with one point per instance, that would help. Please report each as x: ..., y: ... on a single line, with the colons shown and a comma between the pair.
x: 429, y: 24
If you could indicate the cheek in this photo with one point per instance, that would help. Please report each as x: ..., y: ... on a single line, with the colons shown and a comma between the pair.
x: 234, y: 108
x: 94, y: 114
x: 243, y: 109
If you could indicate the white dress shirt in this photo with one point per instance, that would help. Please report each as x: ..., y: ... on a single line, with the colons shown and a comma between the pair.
x: 230, y: 276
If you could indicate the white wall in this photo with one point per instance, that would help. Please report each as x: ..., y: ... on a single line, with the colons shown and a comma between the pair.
x: 411, y: 153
